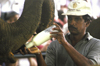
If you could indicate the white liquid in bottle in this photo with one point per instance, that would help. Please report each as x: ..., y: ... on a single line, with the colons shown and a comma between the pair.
x: 41, y: 37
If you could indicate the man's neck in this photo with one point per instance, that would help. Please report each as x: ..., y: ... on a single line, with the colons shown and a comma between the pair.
x: 76, y: 38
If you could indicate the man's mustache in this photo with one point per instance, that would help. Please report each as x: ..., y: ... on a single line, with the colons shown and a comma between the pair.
x: 72, y: 27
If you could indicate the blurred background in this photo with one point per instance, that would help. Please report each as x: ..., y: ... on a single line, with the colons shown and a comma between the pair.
x: 17, y: 6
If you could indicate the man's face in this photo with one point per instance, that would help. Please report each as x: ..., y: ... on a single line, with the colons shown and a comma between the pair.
x: 76, y: 24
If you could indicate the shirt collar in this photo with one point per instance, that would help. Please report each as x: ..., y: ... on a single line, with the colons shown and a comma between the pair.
x: 88, y: 36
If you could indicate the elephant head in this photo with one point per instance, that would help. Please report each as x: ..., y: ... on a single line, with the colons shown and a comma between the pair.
x: 37, y: 16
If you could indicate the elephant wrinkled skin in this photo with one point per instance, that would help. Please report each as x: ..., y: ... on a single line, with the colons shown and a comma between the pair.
x: 37, y: 16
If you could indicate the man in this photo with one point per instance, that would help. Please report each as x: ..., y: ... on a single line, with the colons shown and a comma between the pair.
x: 78, y: 48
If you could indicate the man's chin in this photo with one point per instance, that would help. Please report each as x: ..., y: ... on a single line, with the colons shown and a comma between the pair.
x: 73, y: 33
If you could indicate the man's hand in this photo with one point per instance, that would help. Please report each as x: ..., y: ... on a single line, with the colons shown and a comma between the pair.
x: 58, y: 35
x: 32, y: 50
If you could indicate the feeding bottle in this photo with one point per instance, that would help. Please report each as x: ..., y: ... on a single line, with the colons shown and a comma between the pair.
x: 41, y: 37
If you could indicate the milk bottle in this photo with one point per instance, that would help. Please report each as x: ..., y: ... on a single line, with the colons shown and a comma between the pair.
x: 41, y: 37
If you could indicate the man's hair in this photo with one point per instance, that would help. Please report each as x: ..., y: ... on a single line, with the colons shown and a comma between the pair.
x: 87, y: 18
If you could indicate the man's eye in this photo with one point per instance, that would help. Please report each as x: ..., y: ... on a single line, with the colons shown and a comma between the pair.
x: 69, y: 18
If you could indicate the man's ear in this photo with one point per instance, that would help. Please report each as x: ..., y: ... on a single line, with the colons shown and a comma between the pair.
x: 87, y: 23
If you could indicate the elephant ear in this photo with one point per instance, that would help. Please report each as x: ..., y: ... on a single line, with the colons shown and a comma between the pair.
x: 36, y: 14
x: 94, y: 28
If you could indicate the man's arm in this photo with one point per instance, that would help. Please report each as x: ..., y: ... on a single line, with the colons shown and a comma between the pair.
x: 78, y: 58
x: 40, y: 60
x: 37, y: 52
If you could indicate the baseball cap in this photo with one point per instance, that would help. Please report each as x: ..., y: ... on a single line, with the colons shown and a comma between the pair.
x: 78, y: 8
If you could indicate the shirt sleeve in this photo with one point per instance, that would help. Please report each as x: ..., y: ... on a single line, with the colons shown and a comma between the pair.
x: 50, y: 55
x: 94, y: 53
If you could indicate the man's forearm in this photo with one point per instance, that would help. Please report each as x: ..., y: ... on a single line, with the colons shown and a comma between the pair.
x: 78, y: 58
x: 40, y: 60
